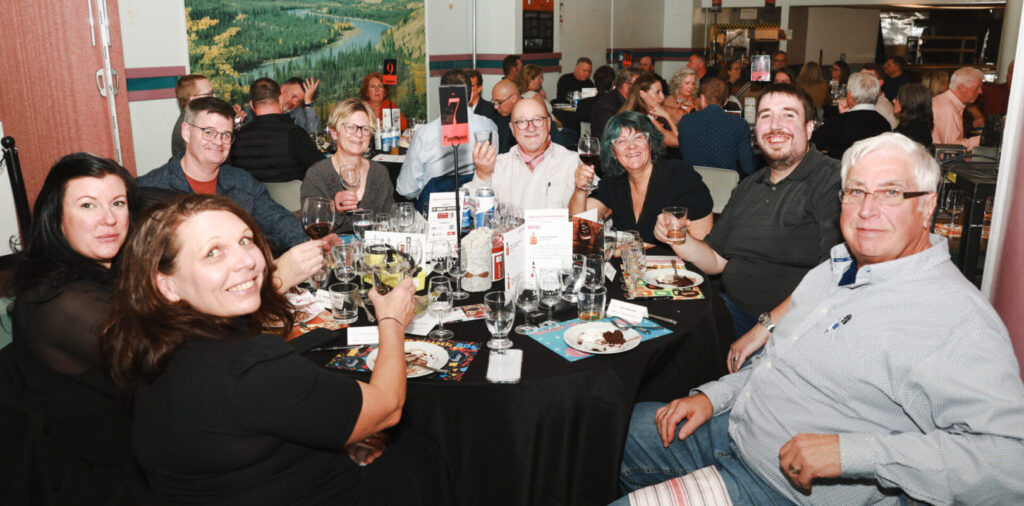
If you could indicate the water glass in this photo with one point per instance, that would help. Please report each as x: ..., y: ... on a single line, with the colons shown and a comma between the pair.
x: 593, y: 270
x: 345, y: 302
x: 591, y: 303
x: 439, y: 302
x: 499, y: 316
x: 675, y: 222
x: 527, y: 299
x: 382, y: 223
x: 361, y: 222
x: 572, y: 278
x: 403, y: 215
x: 609, y: 242
x: 483, y: 136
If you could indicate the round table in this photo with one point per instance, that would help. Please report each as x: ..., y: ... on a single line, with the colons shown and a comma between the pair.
x: 557, y: 436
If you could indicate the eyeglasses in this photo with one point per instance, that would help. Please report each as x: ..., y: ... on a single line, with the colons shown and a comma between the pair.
x: 536, y: 122
x: 502, y: 101
x: 210, y: 93
x: 210, y: 133
x: 352, y: 129
x: 376, y: 86
x: 639, y: 139
x: 885, y: 196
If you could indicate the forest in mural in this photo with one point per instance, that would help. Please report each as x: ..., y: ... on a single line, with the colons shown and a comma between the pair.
x: 234, y: 42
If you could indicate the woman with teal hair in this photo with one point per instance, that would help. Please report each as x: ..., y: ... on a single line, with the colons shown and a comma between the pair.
x: 639, y: 183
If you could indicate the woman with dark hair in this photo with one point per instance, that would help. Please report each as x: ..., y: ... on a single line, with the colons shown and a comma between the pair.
x: 638, y: 183
x: 62, y: 292
x: 782, y: 76
x: 375, y: 93
x: 811, y: 81
x: 645, y: 97
x: 227, y: 415
x: 913, y: 107
x: 738, y: 87
x: 840, y: 72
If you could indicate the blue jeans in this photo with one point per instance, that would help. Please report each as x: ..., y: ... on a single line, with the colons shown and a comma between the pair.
x: 742, y: 321
x: 646, y: 462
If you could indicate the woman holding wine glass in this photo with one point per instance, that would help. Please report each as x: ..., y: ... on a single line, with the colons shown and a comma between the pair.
x: 346, y: 178
x: 639, y: 183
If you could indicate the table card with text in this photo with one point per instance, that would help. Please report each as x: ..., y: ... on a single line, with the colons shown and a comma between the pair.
x: 441, y: 218
x: 548, y: 235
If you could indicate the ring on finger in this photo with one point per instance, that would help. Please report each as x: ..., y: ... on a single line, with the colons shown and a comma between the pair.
x: 794, y: 470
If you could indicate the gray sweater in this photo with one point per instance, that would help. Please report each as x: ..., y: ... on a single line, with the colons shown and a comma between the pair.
x: 323, y: 181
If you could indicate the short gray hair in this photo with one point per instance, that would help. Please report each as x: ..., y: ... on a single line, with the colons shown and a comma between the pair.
x: 965, y: 75
x: 863, y: 87
x: 926, y: 169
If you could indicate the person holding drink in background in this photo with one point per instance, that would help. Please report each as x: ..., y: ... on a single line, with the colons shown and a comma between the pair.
x: 346, y: 178
x: 641, y: 183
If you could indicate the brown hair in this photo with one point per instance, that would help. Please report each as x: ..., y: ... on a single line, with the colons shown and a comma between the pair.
x: 810, y: 74
x: 185, y: 87
x: 529, y: 73
x: 634, y: 102
x: 792, y: 90
x: 364, y: 89
x: 144, y: 329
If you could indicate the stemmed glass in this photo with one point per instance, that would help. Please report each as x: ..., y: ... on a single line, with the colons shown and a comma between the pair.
x: 345, y: 259
x: 954, y: 205
x: 527, y: 299
x: 403, y: 215
x: 350, y: 178
x: 609, y: 243
x: 572, y: 278
x: 317, y: 216
x: 501, y: 312
x: 550, y: 287
x: 382, y: 223
x: 413, y: 253
x: 361, y: 222
x: 440, y: 256
x: 457, y: 270
x: 439, y: 300
x: 634, y: 264
x: 589, y: 149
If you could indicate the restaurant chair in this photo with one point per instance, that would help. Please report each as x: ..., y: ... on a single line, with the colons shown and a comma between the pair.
x: 720, y: 182
x: 287, y: 194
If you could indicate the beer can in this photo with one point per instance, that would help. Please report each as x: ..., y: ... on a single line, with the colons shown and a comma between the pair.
x: 466, y: 211
x: 484, y: 207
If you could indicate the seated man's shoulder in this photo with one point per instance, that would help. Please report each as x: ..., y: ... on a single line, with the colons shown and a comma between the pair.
x: 160, y: 176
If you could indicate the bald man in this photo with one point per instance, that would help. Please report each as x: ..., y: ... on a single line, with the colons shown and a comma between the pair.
x: 536, y: 174
x: 505, y: 96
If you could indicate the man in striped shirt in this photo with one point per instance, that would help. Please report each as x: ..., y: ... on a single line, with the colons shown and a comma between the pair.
x: 889, y: 376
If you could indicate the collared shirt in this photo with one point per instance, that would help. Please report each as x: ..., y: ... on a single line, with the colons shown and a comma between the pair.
x: 773, y: 233
x: 715, y: 138
x: 427, y: 158
x: 909, y: 365
x: 948, y: 112
x: 862, y: 107
x: 548, y: 186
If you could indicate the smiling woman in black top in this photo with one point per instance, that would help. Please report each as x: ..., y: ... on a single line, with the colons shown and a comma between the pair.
x: 227, y: 415
x: 640, y: 184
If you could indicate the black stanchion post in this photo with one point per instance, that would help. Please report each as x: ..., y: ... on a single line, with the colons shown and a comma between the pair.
x: 458, y: 209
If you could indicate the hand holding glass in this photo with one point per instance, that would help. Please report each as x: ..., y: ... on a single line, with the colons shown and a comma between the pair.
x: 675, y: 224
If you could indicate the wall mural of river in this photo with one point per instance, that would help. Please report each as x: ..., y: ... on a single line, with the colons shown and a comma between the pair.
x: 234, y: 42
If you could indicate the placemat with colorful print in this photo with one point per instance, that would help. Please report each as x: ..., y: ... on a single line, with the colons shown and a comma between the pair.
x: 460, y: 355
x: 553, y: 338
x: 645, y: 291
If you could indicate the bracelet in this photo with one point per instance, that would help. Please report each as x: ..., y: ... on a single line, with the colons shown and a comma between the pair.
x: 380, y: 319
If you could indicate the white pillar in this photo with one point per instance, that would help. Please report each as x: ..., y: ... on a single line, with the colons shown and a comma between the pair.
x: 1011, y: 28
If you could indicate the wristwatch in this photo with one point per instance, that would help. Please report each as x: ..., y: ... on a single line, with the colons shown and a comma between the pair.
x: 765, y: 320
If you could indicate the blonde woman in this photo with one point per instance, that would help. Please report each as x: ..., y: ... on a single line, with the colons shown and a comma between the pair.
x: 811, y: 81
x: 681, y: 99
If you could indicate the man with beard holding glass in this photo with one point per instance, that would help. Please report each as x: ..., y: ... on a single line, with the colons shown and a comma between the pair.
x: 780, y: 222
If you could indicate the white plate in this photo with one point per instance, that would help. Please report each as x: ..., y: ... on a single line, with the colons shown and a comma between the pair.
x: 435, y: 356
x: 587, y: 338
x: 663, y: 278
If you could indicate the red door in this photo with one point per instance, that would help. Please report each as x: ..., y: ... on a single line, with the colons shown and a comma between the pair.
x: 49, y: 99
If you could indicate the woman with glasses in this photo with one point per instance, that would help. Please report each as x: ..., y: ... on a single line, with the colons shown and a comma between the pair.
x: 370, y: 189
x: 375, y: 93
x: 639, y: 183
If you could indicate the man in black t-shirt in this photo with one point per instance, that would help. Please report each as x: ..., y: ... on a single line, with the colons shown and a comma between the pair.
x: 578, y: 79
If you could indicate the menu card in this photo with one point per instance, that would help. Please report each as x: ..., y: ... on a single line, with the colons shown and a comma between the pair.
x: 548, y: 238
x: 441, y: 218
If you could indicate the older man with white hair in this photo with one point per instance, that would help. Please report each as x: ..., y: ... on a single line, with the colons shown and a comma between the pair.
x: 889, y: 376
x: 858, y: 119
x: 948, y: 108
x: 535, y: 173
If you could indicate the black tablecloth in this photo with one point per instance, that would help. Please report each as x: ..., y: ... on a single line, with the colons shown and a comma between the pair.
x: 557, y: 436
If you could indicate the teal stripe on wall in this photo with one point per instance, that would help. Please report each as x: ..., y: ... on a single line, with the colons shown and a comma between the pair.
x: 152, y: 83
x: 487, y: 64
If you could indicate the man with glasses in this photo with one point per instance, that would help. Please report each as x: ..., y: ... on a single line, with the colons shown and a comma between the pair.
x: 889, y: 377
x: 780, y: 221
x: 208, y: 132
x: 505, y: 95
x: 271, y: 147
x: 427, y: 159
x: 536, y: 174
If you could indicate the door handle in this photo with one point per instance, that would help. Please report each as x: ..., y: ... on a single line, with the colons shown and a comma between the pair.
x: 100, y: 84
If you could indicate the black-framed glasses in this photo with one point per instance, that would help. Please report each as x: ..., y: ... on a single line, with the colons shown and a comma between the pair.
x: 210, y: 133
x: 884, y: 196
x: 640, y: 139
x: 353, y: 129
x: 536, y: 122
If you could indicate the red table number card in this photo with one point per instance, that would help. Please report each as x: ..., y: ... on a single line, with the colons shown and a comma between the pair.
x: 454, y: 120
x: 390, y: 72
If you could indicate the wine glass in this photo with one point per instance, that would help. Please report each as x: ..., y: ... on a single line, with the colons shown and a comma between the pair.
x: 361, y: 222
x: 440, y: 256
x: 382, y: 223
x: 589, y: 149
x: 317, y: 216
x: 457, y: 270
x: 550, y: 287
x: 413, y: 253
x: 593, y: 270
x: 344, y: 261
x: 350, y: 178
x: 501, y: 312
x: 954, y: 206
x: 572, y: 278
x: 392, y: 271
x: 527, y: 299
x: 439, y: 300
x: 609, y: 243
x: 403, y: 216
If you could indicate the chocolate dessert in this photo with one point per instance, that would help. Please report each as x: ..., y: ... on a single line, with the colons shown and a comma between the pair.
x: 614, y: 338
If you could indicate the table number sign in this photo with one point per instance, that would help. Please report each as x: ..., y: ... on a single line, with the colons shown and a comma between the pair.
x: 390, y: 72
x: 454, y: 119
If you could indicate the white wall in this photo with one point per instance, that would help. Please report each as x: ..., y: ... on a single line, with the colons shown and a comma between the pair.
x: 836, y: 30
x: 153, y: 35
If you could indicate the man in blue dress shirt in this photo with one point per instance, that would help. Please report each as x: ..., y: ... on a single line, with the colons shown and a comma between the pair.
x: 712, y: 137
